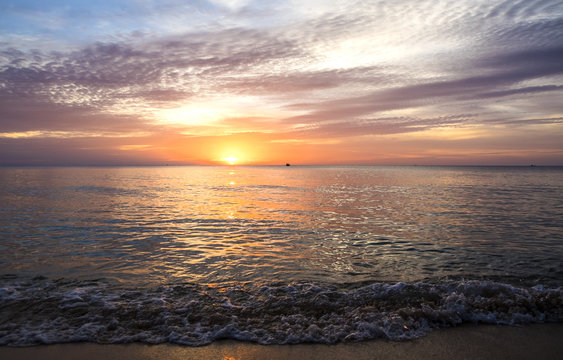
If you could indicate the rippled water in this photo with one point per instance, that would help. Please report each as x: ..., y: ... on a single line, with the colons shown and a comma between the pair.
x: 223, y: 224
x: 174, y: 233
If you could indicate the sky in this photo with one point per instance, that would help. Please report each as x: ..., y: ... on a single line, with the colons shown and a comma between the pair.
x: 402, y: 82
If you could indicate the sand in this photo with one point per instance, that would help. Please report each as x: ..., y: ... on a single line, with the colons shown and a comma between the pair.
x: 544, y: 341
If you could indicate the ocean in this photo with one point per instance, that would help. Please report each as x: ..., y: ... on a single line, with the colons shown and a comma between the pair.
x: 275, y: 254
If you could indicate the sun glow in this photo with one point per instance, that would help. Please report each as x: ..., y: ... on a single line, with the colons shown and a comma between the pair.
x: 231, y: 160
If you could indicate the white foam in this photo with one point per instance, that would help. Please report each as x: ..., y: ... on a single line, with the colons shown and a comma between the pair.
x: 50, y: 312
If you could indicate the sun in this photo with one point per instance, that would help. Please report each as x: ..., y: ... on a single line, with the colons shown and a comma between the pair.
x: 231, y: 160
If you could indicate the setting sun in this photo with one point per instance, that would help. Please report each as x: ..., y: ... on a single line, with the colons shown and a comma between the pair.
x: 231, y: 160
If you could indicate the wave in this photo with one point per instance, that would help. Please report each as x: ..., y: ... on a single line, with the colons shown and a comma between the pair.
x: 43, y: 311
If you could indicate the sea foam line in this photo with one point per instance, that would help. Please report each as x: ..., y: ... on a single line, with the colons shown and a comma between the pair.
x: 45, y: 312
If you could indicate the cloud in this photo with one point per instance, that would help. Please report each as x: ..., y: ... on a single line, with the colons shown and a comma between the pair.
x: 71, y: 151
x: 522, y: 9
x: 101, y: 72
x: 30, y: 114
x: 307, y: 81
x: 518, y: 91
x: 341, y: 69
x: 501, y: 72
x: 378, y: 126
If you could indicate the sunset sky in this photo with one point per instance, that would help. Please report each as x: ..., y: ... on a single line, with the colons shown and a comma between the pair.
x: 269, y: 82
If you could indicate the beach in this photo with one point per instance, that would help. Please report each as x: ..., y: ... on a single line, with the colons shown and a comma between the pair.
x: 540, y: 341
x: 237, y: 179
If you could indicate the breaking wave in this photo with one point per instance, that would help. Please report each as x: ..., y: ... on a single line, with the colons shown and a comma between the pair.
x: 43, y: 311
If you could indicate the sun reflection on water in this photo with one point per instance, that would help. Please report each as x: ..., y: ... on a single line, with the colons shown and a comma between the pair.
x: 214, y: 224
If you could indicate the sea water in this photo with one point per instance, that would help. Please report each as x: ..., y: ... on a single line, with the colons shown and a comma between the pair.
x: 275, y: 254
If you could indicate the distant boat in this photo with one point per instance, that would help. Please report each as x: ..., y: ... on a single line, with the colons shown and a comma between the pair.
x: 287, y: 164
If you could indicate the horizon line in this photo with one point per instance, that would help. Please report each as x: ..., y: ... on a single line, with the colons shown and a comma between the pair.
x: 269, y: 165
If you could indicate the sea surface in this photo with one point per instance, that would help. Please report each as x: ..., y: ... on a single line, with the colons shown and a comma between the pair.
x: 275, y: 254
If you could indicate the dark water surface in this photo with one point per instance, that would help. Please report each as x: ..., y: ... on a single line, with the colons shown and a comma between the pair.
x: 275, y: 254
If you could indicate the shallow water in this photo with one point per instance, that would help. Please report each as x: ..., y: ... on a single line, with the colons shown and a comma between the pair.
x: 316, y: 244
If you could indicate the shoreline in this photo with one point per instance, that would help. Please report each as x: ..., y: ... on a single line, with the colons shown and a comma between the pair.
x: 535, y: 341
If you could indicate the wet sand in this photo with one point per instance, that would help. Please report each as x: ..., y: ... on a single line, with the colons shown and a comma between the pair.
x: 544, y: 341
